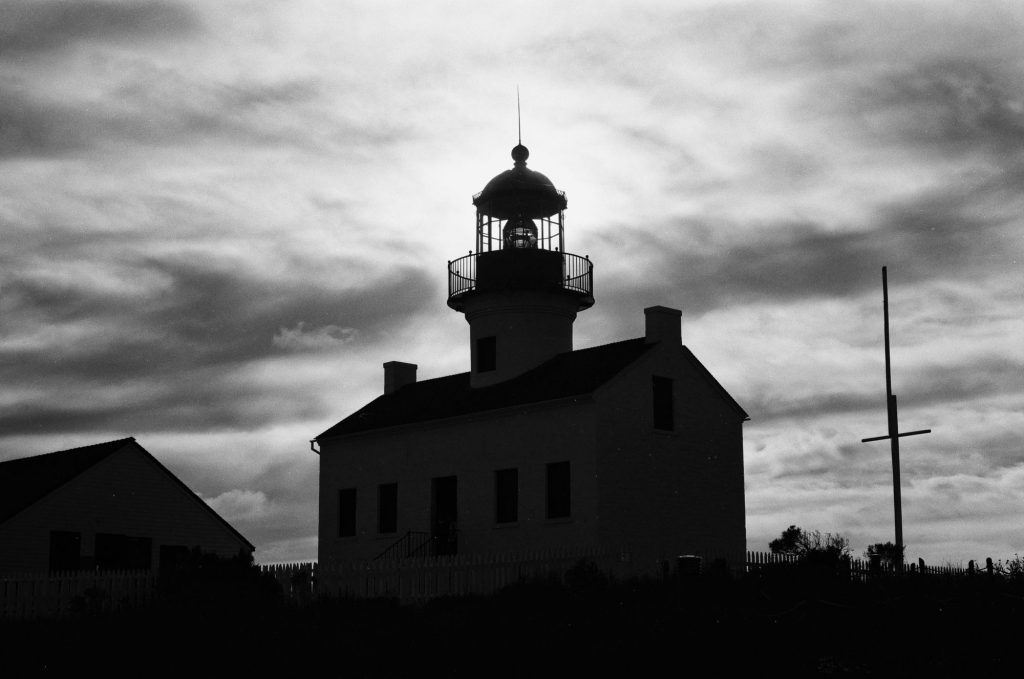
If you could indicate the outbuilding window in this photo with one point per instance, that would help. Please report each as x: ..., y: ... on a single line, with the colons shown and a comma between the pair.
x: 123, y: 552
x: 65, y: 550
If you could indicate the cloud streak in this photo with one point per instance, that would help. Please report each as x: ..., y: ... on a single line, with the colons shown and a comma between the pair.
x: 32, y: 28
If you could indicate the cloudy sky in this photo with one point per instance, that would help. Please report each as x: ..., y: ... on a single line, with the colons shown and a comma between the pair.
x: 217, y: 220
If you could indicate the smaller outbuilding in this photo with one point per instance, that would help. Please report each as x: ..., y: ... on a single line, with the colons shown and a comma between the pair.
x: 109, y: 506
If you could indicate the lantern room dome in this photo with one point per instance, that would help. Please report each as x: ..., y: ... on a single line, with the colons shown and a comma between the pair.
x: 520, y: 192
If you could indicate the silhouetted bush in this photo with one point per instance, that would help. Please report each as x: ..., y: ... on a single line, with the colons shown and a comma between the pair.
x: 206, y: 581
x: 586, y: 623
x: 586, y: 576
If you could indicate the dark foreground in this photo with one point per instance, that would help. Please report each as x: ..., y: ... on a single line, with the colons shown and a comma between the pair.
x: 793, y: 623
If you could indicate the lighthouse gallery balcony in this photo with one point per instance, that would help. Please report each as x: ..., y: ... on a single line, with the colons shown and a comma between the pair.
x: 520, y: 269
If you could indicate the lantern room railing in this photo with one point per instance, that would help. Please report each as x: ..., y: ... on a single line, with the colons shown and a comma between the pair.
x: 577, y: 276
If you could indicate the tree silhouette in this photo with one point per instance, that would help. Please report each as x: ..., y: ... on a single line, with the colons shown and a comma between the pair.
x: 798, y: 542
x: 887, y: 552
x: 789, y: 542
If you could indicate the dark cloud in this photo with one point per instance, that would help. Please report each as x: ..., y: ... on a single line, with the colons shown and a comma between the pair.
x: 930, y: 385
x: 31, y: 27
x: 193, y: 400
x: 153, y: 109
x: 937, y: 235
x: 184, y: 341
x: 167, y: 107
x: 30, y: 126
x: 204, y: 316
x: 952, y: 105
x: 764, y: 408
x: 963, y: 382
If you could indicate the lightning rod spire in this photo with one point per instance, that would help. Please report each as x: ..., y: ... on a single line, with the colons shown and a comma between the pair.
x: 519, y: 116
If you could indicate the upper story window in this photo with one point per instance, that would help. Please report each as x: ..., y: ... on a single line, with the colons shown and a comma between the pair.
x: 387, y: 508
x: 663, y: 408
x: 486, y: 354
x: 347, y: 513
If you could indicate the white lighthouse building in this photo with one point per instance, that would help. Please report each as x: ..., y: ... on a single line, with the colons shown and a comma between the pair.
x: 631, y: 446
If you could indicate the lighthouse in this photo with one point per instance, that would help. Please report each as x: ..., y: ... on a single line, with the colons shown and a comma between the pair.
x: 626, y: 448
x: 519, y: 289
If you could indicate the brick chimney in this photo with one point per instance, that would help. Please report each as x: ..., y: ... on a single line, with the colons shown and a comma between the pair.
x: 397, y: 375
x: 662, y: 325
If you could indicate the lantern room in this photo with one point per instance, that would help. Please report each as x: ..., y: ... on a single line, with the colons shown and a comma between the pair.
x: 520, y: 214
x: 520, y: 290
x: 520, y: 208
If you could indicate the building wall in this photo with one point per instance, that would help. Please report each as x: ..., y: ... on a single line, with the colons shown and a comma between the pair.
x: 471, y: 448
x: 124, y: 494
x: 668, y: 493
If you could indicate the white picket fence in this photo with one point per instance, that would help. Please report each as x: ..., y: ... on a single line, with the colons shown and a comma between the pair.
x: 54, y: 595
x: 425, y: 578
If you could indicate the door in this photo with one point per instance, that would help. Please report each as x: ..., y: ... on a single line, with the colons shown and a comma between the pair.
x: 444, y: 515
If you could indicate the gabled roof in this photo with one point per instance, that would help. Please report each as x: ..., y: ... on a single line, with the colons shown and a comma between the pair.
x: 573, y: 373
x: 716, y: 385
x: 26, y: 480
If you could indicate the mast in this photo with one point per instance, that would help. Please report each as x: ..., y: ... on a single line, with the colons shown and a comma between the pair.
x: 894, y: 434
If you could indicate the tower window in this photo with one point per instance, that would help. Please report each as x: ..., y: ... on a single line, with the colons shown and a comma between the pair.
x: 486, y: 354
x: 347, y: 513
x: 663, y: 409
x: 506, y: 495
x: 387, y: 508
x: 558, y: 490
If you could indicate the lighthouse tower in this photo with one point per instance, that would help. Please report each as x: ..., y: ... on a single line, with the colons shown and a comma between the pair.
x: 520, y: 290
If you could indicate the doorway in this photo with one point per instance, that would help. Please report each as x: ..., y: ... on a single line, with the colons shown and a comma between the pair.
x: 443, y: 515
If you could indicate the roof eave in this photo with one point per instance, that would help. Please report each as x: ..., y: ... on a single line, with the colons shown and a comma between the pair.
x: 574, y: 399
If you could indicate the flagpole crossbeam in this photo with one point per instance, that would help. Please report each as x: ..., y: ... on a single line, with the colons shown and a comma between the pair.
x: 909, y: 433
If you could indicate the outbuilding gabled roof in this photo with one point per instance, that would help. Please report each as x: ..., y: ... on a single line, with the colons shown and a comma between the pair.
x: 26, y: 480
x: 573, y: 373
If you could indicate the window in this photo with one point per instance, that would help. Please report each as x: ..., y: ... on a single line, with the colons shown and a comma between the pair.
x: 506, y: 495
x: 175, y: 557
x: 347, y: 513
x: 387, y: 508
x: 558, y: 495
x: 444, y: 513
x: 663, y: 409
x: 121, y: 552
x: 486, y: 354
x: 65, y: 550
